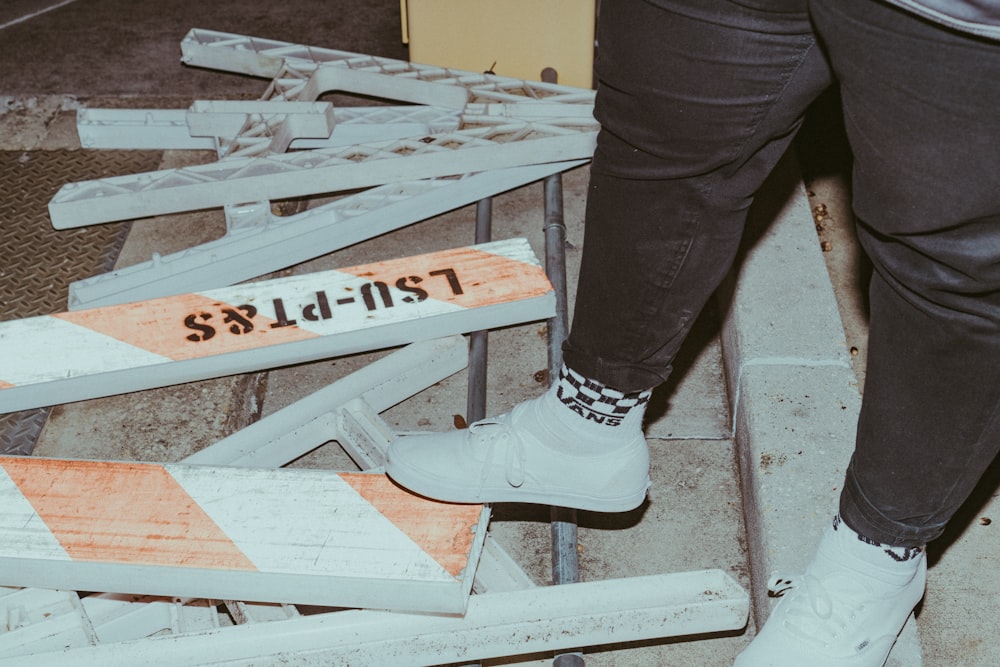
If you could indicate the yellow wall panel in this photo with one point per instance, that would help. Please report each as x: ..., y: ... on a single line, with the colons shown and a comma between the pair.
x: 522, y: 37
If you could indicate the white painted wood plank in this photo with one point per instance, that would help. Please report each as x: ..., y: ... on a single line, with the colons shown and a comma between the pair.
x: 501, y: 624
x: 509, y: 123
x: 283, y: 241
x: 279, y: 438
x: 118, y: 617
x: 37, y: 620
x: 450, y: 87
x: 167, y: 129
x: 287, y: 535
x: 226, y: 118
x: 271, y: 323
x: 512, y: 143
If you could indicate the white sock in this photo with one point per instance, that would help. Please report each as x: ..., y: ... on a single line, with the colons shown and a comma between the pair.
x: 592, y: 409
x: 872, y: 551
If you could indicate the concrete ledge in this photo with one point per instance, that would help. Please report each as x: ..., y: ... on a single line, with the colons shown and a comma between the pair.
x: 794, y: 397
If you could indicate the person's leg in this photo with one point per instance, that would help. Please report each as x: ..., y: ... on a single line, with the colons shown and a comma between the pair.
x: 920, y: 107
x: 921, y: 112
x: 697, y: 102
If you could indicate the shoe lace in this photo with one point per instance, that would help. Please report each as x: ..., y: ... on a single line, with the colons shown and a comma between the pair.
x: 810, y: 612
x: 495, y: 432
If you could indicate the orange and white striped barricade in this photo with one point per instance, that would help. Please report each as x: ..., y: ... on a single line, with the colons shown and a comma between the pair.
x: 346, y: 411
x: 116, y: 349
x: 287, y: 535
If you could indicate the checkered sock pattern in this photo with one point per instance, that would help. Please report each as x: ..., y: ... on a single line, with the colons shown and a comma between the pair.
x: 599, y: 404
x: 898, y: 554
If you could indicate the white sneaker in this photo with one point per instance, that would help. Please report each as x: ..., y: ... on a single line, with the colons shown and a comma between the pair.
x: 845, y: 611
x: 524, y: 456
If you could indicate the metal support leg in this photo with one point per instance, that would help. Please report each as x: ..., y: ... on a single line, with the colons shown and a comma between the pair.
x: 565, y: 565
x: 479, y: 340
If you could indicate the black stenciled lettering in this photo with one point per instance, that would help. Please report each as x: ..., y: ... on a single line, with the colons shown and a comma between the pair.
x: 323, y: 303
x: 239, y: 322
x: 280, y: 315
x: 206, y: 331
x: 456, y: 287
x: 418, y: 294
x: 369, y: 298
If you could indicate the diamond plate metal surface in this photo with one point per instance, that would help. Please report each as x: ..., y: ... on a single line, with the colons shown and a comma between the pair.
x: 37, y: 263
x: 19, y: 431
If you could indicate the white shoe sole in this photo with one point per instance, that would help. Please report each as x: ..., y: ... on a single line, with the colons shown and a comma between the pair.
x: 446, y: 490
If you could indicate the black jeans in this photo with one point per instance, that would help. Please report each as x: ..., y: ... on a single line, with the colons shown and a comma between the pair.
x: 697, y: 101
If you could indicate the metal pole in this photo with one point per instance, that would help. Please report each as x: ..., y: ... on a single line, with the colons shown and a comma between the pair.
x: 565, y: 561
x: 479, y: 340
